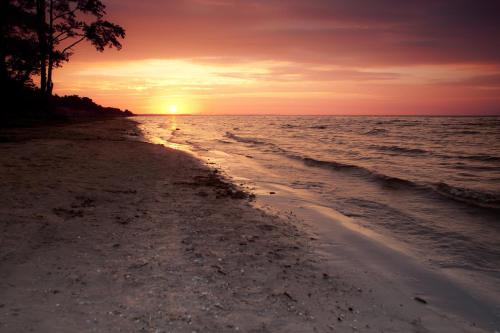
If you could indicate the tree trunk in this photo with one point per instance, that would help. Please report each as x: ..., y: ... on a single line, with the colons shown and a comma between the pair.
x: 3, y: 58
x: 40, y: 13
x: 3, y: 52
x: 50, y: 85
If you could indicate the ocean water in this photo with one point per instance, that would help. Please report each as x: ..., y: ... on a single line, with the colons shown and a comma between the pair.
x: 431, y: 183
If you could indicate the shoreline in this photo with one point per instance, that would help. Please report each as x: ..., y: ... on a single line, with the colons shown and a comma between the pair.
x: 434, y: 242
x: 101, y: 232
x: 466, y: 294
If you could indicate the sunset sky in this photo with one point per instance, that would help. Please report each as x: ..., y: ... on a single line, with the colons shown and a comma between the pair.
x: 296, y: 57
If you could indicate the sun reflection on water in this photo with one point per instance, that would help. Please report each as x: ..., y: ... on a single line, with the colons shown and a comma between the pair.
x: 157, y: 137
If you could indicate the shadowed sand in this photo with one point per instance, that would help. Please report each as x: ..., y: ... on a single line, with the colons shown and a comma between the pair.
x: 103, y: 233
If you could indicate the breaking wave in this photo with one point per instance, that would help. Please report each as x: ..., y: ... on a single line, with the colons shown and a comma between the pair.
x: 243, y: 139
x: 477, y: 198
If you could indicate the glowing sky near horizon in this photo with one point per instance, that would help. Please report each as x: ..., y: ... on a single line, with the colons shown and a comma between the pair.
x: 296, y: 57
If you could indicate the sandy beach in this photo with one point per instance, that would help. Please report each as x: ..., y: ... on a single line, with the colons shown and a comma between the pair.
x: 101, y: 232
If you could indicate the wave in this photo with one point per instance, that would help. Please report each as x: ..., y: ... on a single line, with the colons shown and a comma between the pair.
x: 397, y: 122
x: 224, y: 141
x: 398, y: 149
x: 443, y: 190
x: 243, y: 139
x: 478, y: 157
x: 484, y: 158
x: 467, y: 132
x: 477, y: 198
x: 302, y: 126
x: 289, y: 126
x: 384, y: 179
x: 418, y: 151
x: 467, y: 195
x: 376, y: 131
x: 329, y: 164
x: 463, y: 166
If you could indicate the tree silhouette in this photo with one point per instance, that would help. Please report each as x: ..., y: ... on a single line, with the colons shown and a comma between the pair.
x: 63, y: 24
x: 37, y: 36
x: 18, y: 42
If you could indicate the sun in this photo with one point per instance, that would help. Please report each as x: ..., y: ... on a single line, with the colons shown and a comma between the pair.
x: 172, y: 109
x: 173, y: 105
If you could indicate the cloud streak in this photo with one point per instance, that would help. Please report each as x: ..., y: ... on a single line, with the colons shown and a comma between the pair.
x: 357, y: 33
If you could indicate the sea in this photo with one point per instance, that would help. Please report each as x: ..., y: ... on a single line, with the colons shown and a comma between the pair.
x: 430, y: 183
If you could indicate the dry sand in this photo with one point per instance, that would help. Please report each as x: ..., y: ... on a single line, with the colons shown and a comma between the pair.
x: 103, y: 233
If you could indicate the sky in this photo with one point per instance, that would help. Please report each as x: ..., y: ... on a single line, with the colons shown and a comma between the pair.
x: 349, y: 57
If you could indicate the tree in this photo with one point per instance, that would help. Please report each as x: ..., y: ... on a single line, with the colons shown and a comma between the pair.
x: 18, y: 42
x: 63, y: 24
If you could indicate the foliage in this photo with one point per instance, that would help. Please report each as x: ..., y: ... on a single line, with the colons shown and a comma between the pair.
x: 76, y: 105
x: 18, y: 42
x: 23, y: 106
x: 71, y: 22
x: 40, y: 35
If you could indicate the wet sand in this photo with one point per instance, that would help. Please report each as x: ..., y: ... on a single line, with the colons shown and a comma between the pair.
x: 103, y: 233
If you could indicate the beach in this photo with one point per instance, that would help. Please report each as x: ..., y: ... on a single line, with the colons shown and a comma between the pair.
x: 103, y: 232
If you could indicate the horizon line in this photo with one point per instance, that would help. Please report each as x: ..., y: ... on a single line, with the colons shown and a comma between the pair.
x: 310, y: 115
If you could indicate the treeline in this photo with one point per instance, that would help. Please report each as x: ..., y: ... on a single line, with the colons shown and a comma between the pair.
x: 85, y: 107
x: 39, y: 36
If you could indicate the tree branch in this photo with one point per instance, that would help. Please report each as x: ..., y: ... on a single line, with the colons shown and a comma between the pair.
x: 59, y: 35
x: 58, y: 40
x: 71, y: 45
x: 66, y: 13
x: 66, y: 37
